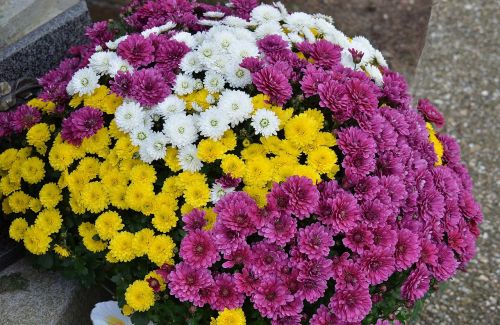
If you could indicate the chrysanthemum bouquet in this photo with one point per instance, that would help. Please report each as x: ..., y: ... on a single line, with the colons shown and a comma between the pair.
x: 237, y: 159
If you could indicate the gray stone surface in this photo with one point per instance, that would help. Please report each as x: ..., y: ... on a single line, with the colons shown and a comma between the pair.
x: 43, y: 47
x: 46, y: 299
x: 459, y: 71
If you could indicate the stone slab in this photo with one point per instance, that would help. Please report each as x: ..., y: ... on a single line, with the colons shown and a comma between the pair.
x: 40, y: 297
x: 42, y: 48
x: 459, y: 72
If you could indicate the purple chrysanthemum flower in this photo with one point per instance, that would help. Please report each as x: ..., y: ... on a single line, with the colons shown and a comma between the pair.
x: 395, y: 89
x: 239, y: 256
x: 243, y: 8
x: 325, y: 54
x: 384, y: 237
x: 313, y: 77
x: 252, y: 64
x: 99, y: 33
x: 266, y: 257
x: 358, y: 239
x: 378, y: 265
x: 353, y: 140
x: 194, y: 220
x: 333, y: 95
x: 185, y: 281
x: 227, y: 181
x: 5, y: 124
x: 272, y: 43
x: 24, y: 117
x: 226, y: 239
x: 313, y: 276
x: 148, y: 87
x: 416, y: 285
x: 226, y: 294
x: 351, y: 305
x: 430, y: 112
x: 169, y: 53
x: 137, y: 50
x: 82, y: 123
x: 198, y: 249
x: 237, y: 211
x: 349, y: 276
x: 315, y: 240
x: 363, y: 96
x: 407, y: 249
x: 446, y: 264
x: 302, y: 196
x: 374, y: 213
x: 274, y: 84
x: 270, y: 295
x: 247, y: 281
x: 287, y: 320
x: 341, y: 212
x: 325, y: 316
x: 279, y: 230
x: 122, y: 84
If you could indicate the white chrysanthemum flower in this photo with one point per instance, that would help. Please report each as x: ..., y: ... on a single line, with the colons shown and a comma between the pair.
x: 184, y: 84
x: 309, y: 34
x: 375, y: 74
x: 113, y: 45
x: 297, y: 21
x: 237, y: 76
x: 210, y: 99
x: 214, y: 14
x: 337, y: 37
x: 108, y: 312
x: 236, y: 104
x: 153, y: 30
x: 218, y: 63
x: 119, y: 65
x: 217, y: 192
x: 295, y: 37
x: 100, y: 62
x: 214, y: 82
x: 186, y: 38
x: 98, y: 48
x: 140, y: 136
x: 84, y: 82
x: 207, y: 51
x: 188, y: 158
x: 167, y: 26
x: 234, y: 21
x: 129, y: 116
x: 281, y: 7
x: 243, y: 35
x: 270, y: 28
x: 244, y: 49
x: 323, y: 25
x: 212, y: 123
x: 265, y: 13
x: 170, y: 106
x: 198, y: 84
x: 380, y: 59
x: 208, y: 22
x: 156, y: 146
x: 224, y: 40
x: 181, y: 130
x: 265, y: 122
x: 190, y: 63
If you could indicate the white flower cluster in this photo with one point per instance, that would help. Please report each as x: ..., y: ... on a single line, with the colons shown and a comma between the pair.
x: 213, y: 66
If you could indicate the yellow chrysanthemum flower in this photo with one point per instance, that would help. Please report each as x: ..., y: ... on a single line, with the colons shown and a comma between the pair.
x: 18, y: 228
x: 61, y: 156
x: 98, y: 143
x: 233, y: 165
x: 89, y: 167
x: 197, y: 194
x: 92, y: 244
x: 258, y: 194
x: 50, y: 195
x: 113, y: 178
x: 283, y: 115
x: 121, y: 246
x: 259, y: 171
x: 44, y: 106
x: 231, y: 317
x: 302, y: 130
x: 35, y: 205
x: 33, y: 170
x: 140, y: 296
x: 7, y: 158
x: 161, y: 250
x: 36, y: 240
x: 49, y: 221
x: 94, y: 197
x: 19, y: 202
x: 143, y: 173
x: 210, y: 150
x: 108, y: 224
x: 86, y: 229
x: 75, y: 203
x: 37, y: 136
x: 229, y: 140
x: 323, y: 160
x: 117, y: 196
x: 173, y: 186
x: 138, y: 194
x: 171, y: 160
x: 438, y: 146
x: 252, y: 151
x: 210, y: 217
x: 142, y: 240
x: 7, y: 186
x: 61, y: 251
x: 6, y: 207
x: 127, y: 310
x: 164, y: 220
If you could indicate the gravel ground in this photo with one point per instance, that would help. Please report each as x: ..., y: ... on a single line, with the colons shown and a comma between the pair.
x: 459, y: 72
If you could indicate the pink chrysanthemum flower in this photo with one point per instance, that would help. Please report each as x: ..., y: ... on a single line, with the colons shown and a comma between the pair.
x: 185, y: 281
x: 351, y: 305
x: 148, y: 87
x: 81, y: 124
x: 194, y: 220
x: 279, y: 230
x: 226, y: 294
x: 407, y: 249
x: 302, y: 196
x: 198, y: 249
x: 416, y: 285
x: 341, y: 212
x: 315, y: 240
x: 378, y: 265
x: 237, y: 211
x: 358, y: 239
x: 137, y: 50
x: 350, y: 276
x: 270, y: 295
x: 446, y: 264
x: 274, y: 84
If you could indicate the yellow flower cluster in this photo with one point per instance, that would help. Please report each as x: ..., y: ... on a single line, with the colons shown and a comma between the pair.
x: 101, y: 98
x: 438, y: 146
x: 229, y: 317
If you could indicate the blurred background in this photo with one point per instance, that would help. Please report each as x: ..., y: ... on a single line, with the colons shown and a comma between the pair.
x: 396, y: 27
